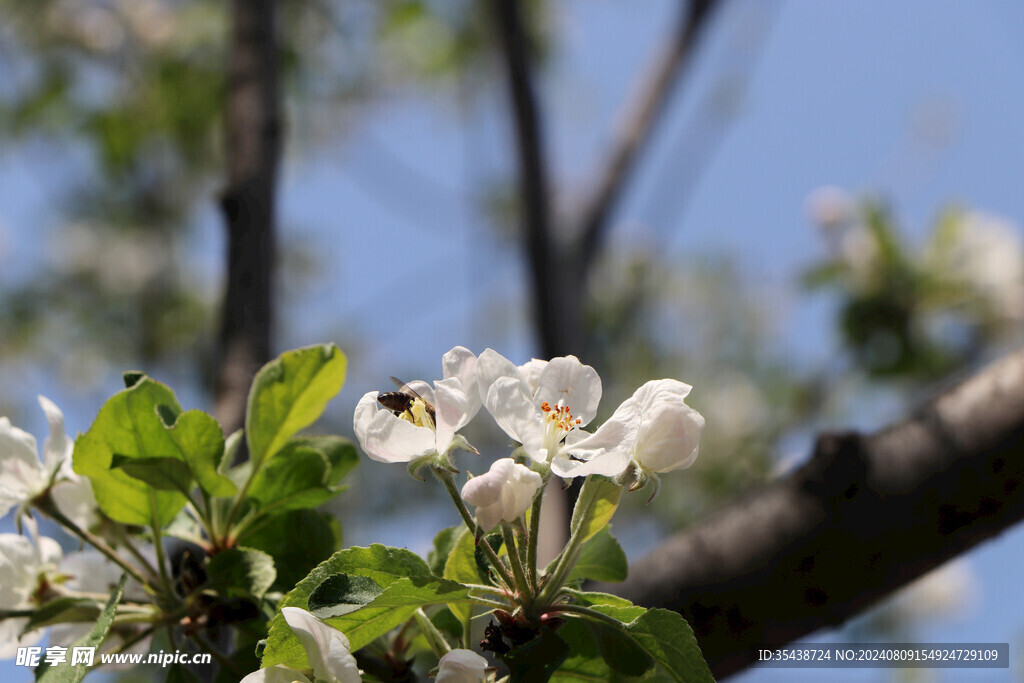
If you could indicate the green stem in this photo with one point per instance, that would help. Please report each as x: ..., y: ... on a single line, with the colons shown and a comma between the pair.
x: 434, y: 637
x: 51, y: 511
x: 143, y: 560
x: 158, y: 545
x: 523, y: 585
x: 144, y: 633
x: 534, y: 534
x: 448, y: 480
x: 566, y: 560
x: 588, y: 613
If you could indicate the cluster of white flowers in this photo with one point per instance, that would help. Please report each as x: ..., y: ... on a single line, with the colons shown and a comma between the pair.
x: 544, y: 407
x: 33, y: 567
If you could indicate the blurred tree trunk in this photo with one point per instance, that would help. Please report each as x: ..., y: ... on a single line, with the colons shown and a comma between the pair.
x: 863, y: 517
x: 253, y: 142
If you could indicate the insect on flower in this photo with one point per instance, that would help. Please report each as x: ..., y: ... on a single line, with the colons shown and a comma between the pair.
x: 404, y: 401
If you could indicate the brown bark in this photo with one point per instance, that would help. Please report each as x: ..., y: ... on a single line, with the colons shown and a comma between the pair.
x: 253, y: 141
x: 863, y: 517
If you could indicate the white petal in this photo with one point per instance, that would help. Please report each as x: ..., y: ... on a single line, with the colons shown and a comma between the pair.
x: 275, y: 674
x: 669, y: 438
x: 22, y: 476
x: 10, y: 630
x: 515, y: 411
x: 490, y: 366
x: 326, y: 647
x: 75, y: 499
x: 461, y: 666
x: 460, y: 363
x: 607, y: 451
x: 530, y: 372
x: 568, y: 381
x: 57, y: 447
x: 19, y: 565
x: 658, y: 391
x: 452, y: 411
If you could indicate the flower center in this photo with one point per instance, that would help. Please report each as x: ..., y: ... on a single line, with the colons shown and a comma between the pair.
x: 558, y: 421
x: 418, y: 414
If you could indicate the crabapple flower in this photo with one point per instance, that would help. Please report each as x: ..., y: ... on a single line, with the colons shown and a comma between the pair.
x: 541, y: 404
x: 654, y: 431
x: 503, y: 494
x: 326, y: 647
x: 461, y: 666
x: 23, y: 568
x: 415, y: 433
x: 23, y: 477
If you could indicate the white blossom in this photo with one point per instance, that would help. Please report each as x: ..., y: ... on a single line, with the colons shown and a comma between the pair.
x: 654, y: 430
x: 327, y: 650
x: 541, y: 404
x: 23, y: 476
x: 24, y: 567
x: 503, y: 494
x: 461, y: 666
x: 414, y: 434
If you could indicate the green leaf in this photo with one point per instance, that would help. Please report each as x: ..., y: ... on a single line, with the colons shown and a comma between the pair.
x: 288, y: 394
x: 294, y: 479
x: 342, y: 593
x: 462, y: 566
x: 163, y: 474
x: 201, y: 442
x: 396, y: 605
x: 381, y: 563
x: 602, y: 559
x: 619, y: 650
x: 595, y: 506
x: 584, y: 661
x: 241, y: 572
x: 65, y: 673
x: 129, y: 425
x: 612, y: 605
x: 321, y: 537
x: 340, y: 453
x: 443, y: 544
x: 63, y: 610
x: 537, y: 659
x: 669, y: 640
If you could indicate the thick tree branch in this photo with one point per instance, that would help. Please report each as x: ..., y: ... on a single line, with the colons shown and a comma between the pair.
x: 635, y: 130
x: 253, y: 138
x: 557, y: 307
x: 863, y: 517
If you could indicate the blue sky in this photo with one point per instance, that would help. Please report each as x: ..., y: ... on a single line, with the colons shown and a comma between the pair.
x: 918, y: 102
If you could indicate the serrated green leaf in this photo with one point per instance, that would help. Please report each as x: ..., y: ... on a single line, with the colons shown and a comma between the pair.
x: 321, y: 537
x: 612, y: 605
x: 129, y: 425
x: 342, y: 593
x: 396, y: 605
x: 381, y: 563
x: 584, y: 661
x: 595, y: 506
x: 602, y: 559
x: 443, y: 544
x: 63, y: 610
x: 241, y: 572
x: 669, y: 640
x: 65, y: 673
x: 288, y: 394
